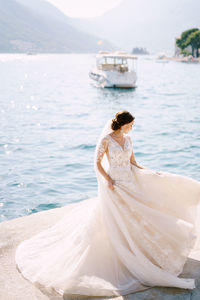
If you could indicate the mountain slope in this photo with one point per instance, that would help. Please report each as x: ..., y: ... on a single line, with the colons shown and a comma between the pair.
x: 45, y: 9
x: 23, y: 30
x: 153, y: 24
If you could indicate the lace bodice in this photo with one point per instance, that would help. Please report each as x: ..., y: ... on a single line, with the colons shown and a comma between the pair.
x: 118, y: 157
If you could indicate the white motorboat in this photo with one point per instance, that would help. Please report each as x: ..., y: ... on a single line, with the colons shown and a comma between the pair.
x: 114, y: 69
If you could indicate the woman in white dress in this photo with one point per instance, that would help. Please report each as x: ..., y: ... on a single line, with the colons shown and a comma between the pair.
x: 136, y: 234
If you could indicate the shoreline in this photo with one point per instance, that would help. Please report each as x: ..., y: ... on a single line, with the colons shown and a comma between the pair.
x: 180, y: 59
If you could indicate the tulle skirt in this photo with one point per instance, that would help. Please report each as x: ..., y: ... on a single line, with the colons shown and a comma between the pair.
x: 122, y: 241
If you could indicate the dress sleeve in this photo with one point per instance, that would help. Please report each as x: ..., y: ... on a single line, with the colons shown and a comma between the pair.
x: 130, y: 141
x: 101, y: 149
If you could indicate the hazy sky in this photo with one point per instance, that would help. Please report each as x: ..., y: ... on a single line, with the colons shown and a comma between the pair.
x: 84, y: 8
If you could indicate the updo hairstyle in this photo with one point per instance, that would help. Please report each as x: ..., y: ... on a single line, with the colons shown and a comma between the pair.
x: 121, y: 118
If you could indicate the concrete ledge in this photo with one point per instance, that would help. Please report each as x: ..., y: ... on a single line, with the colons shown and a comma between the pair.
x: 14, y: 287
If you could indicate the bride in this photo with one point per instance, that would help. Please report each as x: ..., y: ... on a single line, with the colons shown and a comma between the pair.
x: 136, y: 234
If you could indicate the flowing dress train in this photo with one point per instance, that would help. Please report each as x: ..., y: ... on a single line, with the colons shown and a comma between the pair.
x: 125, y: 240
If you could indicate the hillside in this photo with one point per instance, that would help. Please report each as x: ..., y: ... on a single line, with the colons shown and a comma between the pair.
x: 45, y: 9
x: 152, y: 24
x: 43, y: 29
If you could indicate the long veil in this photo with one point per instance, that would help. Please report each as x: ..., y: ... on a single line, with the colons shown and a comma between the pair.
x: 105, y: 131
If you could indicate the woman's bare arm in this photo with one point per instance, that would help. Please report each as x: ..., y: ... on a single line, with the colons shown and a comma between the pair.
x: 133, y: 161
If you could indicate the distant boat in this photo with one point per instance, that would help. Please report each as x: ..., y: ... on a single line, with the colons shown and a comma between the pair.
x: 190, y: 60
x: 162, y: 58
x: 114, y: 70
x: 30, y: 53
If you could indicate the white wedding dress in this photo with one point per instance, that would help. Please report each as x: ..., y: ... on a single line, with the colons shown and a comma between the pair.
x: 123, y: 241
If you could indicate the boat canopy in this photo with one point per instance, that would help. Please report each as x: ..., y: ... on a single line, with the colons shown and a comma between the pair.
x: 117, y: 54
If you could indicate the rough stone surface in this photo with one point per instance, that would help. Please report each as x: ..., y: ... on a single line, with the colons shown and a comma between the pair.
x: 13, y: 286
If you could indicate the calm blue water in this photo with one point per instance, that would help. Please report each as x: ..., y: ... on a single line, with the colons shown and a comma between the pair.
x: 51, y: 116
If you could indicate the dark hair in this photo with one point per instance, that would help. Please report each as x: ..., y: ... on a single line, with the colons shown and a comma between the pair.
x: 121, y: 118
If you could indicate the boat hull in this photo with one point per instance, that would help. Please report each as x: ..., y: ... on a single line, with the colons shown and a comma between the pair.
x: 114, y: 79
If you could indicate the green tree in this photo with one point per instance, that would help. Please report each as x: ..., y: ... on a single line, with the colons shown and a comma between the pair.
x: 186, y: 52
x: 182, y: 42
x: 194, y: 40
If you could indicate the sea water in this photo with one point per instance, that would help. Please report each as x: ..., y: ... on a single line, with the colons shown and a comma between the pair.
x: 51, y: 116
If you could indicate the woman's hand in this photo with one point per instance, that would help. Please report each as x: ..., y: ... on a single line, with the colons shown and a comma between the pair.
x: 111, y: 183
x: 158, y: 173
x: 139, y: 166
